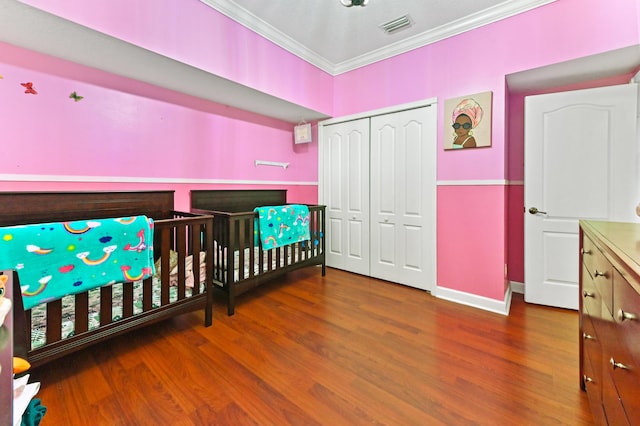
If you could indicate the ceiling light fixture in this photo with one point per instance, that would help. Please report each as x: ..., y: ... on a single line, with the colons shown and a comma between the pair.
x: 349, y: 3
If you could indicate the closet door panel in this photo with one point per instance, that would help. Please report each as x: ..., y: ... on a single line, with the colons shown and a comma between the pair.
x: 387, y: 253
x: 401, y: 182
x: 413, y: 154
x: 346, y: 169
x: 334, y: 244
x: 414, y: 259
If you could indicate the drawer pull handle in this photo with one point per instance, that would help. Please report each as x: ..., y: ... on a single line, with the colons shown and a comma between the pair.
x: 622, y: 315
x: 586, y: 293
x: 587, y: 379
x: 586, y: 336
x: 597, y: 273
x: 619, y: 365
x: 583, y: 251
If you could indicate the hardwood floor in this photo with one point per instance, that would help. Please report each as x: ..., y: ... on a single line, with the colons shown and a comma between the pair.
x: 336, y: 350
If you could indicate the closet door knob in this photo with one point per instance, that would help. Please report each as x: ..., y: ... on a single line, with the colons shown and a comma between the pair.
x: 587, y: 379
x: 534, y: 210
x: 597, y: 273
x: 586, y: 336
x: 583, y: 251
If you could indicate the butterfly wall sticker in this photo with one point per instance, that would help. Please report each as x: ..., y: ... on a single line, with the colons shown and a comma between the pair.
x: 29, y: 88
x: 76, y: 97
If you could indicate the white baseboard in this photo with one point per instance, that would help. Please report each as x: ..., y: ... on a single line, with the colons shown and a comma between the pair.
x: 517, y: 287
x: 498, y: 306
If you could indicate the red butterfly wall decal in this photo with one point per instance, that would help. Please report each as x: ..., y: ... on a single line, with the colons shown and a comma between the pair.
x: 29, y: 87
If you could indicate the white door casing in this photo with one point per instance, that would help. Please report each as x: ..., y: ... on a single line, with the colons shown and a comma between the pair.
x: 580, y: 163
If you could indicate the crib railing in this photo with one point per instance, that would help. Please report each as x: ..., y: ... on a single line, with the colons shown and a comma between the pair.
x: 240, y: 262
x: 186, y: 234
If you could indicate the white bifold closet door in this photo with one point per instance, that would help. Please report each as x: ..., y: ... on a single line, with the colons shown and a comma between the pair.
x: 379, y: 186
x: 402, y: 197
x: 346, y: 195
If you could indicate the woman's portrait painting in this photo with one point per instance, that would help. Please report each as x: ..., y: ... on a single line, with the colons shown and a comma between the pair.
x: 467, y: 121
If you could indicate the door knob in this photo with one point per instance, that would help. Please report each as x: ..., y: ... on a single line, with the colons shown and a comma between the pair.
x: 534, y: 210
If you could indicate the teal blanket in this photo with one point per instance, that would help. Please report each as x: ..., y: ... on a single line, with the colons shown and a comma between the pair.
x: 278, y: 226
x: 61, y: 258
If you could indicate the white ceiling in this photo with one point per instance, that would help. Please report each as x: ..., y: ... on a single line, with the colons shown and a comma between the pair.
x: 323, y: 32
x: 338, y: 39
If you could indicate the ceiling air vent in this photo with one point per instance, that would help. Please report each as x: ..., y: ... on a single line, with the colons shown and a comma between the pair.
x: 396, y: 24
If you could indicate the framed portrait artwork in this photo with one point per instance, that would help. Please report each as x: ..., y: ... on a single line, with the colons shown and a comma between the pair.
x: 467, y: 121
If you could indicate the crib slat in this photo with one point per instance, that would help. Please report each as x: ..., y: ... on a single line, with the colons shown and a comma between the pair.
x: 251, y: 245
x: 181, y: 241
x: 166, y: 238
x: 147, y: 292
x: 28, y: 324
x: 127, y: 300
x: 239, y: 234
x: 261, y: 262
x: 313, y: 230
x: 195, y: 244
x: 106, y: 302
x: 278, y: 259
x: 54, y: 321
x: 81, y: 306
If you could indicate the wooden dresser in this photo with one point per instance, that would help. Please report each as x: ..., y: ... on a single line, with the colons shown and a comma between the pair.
x: 610, y: 320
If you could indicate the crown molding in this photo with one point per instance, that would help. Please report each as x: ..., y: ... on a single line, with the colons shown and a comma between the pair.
x: 488, y: 16
x: 268, y: 31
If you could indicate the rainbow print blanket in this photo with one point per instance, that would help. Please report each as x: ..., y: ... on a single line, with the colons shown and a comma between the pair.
x: 278, y: 226
x: 62, y: 258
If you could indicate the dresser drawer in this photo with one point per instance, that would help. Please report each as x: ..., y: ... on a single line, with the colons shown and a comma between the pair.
x: 624, y: 354
x: 588, y: 253
x: 600, y: 270
x: 610, y: 320
x: 627, y: 314
x: 592, y: 361
x: 603, y: 280
x: 591, y: 298
x: 613, y: 407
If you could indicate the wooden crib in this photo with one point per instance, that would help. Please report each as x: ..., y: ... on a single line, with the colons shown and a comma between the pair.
x: 239, y: 263
x: 70, y: 323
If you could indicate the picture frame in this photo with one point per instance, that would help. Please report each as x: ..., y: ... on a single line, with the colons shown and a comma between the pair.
x: 302, y: 133
x: 467, y: 121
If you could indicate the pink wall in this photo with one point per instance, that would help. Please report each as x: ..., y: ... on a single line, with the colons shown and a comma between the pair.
x: 474, y: 62
x: 295, y: 193
x: 140, y: 130
x: 198, y: 35
x: 473, y: 247
x: 115, y: 133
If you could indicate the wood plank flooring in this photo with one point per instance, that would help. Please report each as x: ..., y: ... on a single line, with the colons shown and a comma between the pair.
x: 336, y: 350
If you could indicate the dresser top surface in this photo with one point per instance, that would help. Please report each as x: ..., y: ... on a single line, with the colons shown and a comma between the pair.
x: 621, y: 240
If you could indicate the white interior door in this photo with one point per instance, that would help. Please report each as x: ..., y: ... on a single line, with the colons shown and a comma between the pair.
x: 580, y: 163
x: 346, y: 194
x: 403, y: 197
